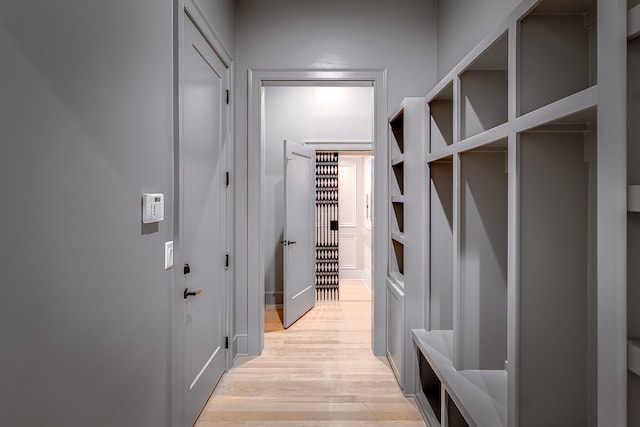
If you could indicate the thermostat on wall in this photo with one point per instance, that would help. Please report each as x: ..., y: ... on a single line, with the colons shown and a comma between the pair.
x: 152, y: 207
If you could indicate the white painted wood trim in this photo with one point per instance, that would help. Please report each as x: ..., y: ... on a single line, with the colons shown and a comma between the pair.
x: 611, y: 214
x: 513, y: 280
x: 457, y: 308
x: 192, y: 8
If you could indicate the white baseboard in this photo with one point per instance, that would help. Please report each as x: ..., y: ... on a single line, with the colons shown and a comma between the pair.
x: 367, y: 278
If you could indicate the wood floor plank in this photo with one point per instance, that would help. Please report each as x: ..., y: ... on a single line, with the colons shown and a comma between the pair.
x: 319, y: 372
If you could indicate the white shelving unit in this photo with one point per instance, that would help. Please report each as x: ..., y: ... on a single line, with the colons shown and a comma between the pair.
x: 405, y: 278
x: 525, y: 283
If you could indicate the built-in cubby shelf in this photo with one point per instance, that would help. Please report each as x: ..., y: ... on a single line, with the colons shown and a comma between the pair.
x: 556, y: 238
x: 480, y: 396
x: 397, y: 179
x: 557, y: 55
x: 440, y: 230
x: 515, y: 219
x: 484, y: 90
x: 482, y: 259
x: 398, y: 237
x: 405, y: 288
x: 441, y: 120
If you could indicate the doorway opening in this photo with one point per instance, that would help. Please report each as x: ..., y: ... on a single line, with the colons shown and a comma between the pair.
x: 320, y: 118
x: 330, y: 111
x: 343, y: 230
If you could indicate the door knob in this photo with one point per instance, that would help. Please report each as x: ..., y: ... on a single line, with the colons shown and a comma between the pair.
x: 291, y: 242
x: 188, y: 293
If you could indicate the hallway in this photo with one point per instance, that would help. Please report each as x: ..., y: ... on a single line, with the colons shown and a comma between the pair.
x: 319, y: 372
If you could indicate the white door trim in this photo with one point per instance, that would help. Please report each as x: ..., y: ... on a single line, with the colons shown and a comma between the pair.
x: 255, y: 226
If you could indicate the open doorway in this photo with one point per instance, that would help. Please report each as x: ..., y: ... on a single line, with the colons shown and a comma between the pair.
x: 324, y: 117
x: 261, y: 181
x: 355, y: 225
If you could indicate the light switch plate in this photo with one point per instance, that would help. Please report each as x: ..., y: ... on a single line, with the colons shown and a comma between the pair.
x: 168, y: 255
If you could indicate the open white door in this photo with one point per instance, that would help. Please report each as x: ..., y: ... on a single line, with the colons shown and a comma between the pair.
x: 299, y: 236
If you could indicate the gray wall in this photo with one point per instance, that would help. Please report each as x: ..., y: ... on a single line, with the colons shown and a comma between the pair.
x: 334, y: 34
x: 462, y: 24
x: 85, y: 128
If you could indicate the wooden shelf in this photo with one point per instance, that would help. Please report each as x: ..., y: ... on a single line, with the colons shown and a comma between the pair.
x: 569, y: 106
x: 397, y: 278
x: 397, y: 160
x: 481, y: 396
x: 397, y: 236
x: 633, y: 22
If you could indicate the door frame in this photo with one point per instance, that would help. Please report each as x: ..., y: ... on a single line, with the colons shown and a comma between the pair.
x: 258, y: 79
x: 189, y: 9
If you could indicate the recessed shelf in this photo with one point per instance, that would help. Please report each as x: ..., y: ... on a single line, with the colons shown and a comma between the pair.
x: 431, y: 389
x: 397, y: 179
x: 556, y: 234
x: 397, y: 160
x: 558, y: 53
x: 398, y: 237
x: 480, y: 396
x: 440, y: 271
x: 576, y: 108
x: 441, y: 119
x: 397, y: 219
x: 484, y: 90
x: 396, y: 261
x: 397, y: 278
x: 482, y: 342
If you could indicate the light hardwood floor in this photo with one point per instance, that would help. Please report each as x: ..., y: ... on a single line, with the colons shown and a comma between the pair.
x: 319, y: 372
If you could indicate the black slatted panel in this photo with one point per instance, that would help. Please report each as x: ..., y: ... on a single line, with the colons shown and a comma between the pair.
x: 327, y: 226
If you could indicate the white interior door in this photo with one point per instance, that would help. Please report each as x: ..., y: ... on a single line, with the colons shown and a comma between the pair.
x: 203, y: 205
x: 299, y: 236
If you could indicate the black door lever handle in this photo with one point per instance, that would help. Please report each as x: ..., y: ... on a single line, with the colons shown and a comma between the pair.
x: 188, y: 293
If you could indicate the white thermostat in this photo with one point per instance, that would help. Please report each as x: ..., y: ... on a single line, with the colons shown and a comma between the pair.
x: 152, y: 207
